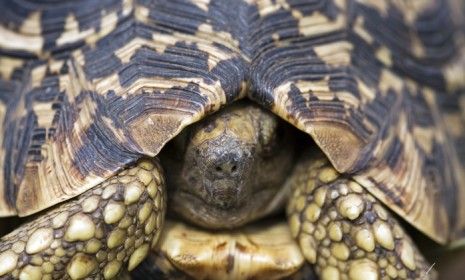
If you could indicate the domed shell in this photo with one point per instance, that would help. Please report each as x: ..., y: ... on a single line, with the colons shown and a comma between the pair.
x: 86, y: 89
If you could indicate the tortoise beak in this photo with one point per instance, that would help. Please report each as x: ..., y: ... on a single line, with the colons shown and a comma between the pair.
x: 227, y: 173
x: 224, y: 194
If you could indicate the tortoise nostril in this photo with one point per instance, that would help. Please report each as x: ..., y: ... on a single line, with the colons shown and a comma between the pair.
x: 226, y: 165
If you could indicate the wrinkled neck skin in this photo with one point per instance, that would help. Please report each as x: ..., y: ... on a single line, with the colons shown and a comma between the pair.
x: 230, y: 168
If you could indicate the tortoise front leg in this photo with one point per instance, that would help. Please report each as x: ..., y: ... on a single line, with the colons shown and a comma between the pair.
x: 345, y: 231
x: 93, y: 235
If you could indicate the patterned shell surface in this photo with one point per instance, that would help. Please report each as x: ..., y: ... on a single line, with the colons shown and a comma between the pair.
x: 87, y: 87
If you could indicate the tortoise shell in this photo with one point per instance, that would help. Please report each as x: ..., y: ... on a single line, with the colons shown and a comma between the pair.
x: 88, y: 87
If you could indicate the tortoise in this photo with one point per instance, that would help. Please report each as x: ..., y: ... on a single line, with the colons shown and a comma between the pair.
x: 92, y: 91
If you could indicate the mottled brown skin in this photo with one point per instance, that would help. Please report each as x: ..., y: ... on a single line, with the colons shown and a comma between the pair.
x: 229, y: 169
x: 340, y: 227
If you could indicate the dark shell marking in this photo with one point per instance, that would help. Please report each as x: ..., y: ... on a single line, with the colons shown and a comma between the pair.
x: 86, y: 89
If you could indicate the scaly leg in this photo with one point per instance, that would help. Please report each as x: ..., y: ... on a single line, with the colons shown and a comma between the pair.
x: 93, y: 235
x: 345, y: 231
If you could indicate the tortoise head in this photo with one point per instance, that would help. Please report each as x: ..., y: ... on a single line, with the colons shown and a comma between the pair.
x: 229, y: 169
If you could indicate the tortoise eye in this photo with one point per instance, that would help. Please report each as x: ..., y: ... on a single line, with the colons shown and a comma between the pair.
x: 210, y: 126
